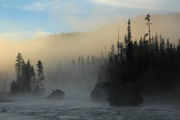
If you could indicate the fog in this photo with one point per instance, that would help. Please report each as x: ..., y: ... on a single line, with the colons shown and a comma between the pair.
x: 57, y: 50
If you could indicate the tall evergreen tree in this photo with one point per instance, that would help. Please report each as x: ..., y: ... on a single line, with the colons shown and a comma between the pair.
x: 40, y: 74
x: 18, y: 66
x: 129, y: 44
x: 148, y: 19
x: 27, y: 75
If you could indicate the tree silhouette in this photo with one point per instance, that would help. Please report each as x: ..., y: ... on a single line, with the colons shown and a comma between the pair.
x: 26, y: 81
x: 151, y: 66
x: 40, y: 75
x: 27, y: 76
x: 18, y: 66
x: 148, y: 19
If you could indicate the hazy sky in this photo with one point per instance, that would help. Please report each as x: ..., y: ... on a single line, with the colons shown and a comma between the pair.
x: 27, y: 18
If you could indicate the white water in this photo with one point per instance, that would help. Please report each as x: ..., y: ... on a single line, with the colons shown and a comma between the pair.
x: 75, y: 108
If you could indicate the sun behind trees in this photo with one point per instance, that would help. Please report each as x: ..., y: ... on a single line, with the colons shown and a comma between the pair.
x: 26, y: 81
x: 138, y: 68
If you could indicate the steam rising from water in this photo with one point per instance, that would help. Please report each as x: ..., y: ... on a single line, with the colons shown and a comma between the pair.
x: 63, y: 48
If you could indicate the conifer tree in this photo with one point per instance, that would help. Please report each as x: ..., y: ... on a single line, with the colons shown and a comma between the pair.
x: 18, y: 66
x: 129, y: 44
x: 40, y: 74
x: 27, y: 76
x: 148, y: 19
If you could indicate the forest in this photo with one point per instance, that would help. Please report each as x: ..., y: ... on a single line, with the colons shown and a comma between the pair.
x: 26, y: 81
x: 145, y: 67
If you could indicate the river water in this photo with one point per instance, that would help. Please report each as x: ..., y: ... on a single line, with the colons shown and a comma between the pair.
x: 76, y: 108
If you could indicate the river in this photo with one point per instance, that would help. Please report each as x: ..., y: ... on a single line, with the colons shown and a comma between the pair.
x: 78, y: 108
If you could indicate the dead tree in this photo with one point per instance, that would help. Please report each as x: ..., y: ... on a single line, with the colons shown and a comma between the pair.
x: 148, y: 19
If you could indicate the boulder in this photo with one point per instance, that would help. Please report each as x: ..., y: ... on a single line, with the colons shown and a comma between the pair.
x: 56, y: 95
x: 118, y: 95
x: 101, y: 92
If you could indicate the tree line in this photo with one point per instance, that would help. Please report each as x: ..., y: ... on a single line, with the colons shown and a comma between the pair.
x: 151, y: 65
x: 26, y: 79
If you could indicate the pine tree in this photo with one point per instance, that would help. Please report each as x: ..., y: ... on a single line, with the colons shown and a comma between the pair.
x: 27, y: 76
x: 129, y: 44
x: 148, y: 18
x: 18, y: 66
x: 40, y: 74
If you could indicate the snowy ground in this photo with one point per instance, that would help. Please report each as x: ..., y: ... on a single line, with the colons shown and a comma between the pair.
x: 74, y: 108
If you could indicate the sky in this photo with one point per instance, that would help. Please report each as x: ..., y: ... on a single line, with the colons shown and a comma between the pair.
x: 23, y: 19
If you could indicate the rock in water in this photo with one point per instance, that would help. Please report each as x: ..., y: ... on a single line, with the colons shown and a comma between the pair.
x: 125, y: 96
x: 56, y: 95
x: 116, y: 94
x: 101, y: 92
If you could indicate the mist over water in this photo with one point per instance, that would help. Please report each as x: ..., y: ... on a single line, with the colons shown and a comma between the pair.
x: 78, y: 108
x: 77, y: 79
x: 64, y: 47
